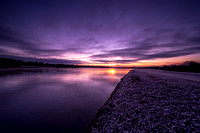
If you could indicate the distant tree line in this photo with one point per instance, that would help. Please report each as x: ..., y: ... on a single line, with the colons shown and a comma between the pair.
x: 189, y: 66
x: 11, y: 63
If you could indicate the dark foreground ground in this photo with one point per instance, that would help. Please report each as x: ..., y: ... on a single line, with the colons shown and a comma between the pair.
x: 152, y: 101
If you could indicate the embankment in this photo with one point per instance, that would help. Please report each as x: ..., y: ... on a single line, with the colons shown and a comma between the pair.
x: 152, y: 101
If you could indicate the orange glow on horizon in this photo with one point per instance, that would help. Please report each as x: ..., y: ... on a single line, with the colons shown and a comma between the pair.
x: 152, y: 62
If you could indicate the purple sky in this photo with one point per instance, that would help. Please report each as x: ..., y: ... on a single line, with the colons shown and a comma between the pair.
x: 101, y: 32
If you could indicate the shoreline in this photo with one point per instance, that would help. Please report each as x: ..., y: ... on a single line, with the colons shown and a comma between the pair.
x: 151, y: 100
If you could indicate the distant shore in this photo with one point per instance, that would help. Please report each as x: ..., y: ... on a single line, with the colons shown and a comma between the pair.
x: 148, y: 100
x: 13, y: 63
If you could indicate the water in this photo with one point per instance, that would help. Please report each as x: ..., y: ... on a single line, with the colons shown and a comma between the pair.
x: 54, y: 100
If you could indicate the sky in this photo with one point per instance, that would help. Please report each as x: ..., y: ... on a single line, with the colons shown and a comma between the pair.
x: 98, y: 32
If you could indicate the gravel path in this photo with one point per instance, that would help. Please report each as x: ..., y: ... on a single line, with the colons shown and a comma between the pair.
x: 147, y: 101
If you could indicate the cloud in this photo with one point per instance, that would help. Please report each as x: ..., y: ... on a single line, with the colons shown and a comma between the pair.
x: 114, y: 61
x: 11, y: 38
x: 100, y: 30
x: 154, y: 47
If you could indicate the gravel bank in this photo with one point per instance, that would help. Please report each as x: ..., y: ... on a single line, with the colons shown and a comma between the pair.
x: 146, y: 101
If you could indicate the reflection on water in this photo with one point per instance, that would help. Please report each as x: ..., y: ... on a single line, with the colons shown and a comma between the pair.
x: 54, y: 100
x: 111, y: 71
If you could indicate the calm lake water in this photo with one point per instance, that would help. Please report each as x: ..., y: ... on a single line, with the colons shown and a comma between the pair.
x: 54, y: 99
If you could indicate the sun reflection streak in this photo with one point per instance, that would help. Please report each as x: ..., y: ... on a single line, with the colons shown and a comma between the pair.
x: 112, y: 71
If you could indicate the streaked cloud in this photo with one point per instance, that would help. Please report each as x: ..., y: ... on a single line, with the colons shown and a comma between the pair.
x: 111, y: 31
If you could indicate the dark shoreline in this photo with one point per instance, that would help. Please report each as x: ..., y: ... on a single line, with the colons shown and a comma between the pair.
x: 101, y: 109
x: 12, y: 63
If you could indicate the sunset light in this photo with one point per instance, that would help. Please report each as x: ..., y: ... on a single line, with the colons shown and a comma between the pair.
x: 112, y: 71
x: 63, y: 33
x: 99, y: 66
